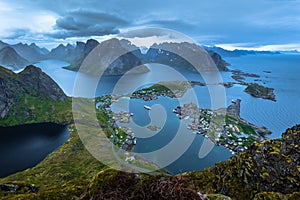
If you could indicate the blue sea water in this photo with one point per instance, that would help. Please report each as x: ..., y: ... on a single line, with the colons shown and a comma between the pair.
x: 284, y: 78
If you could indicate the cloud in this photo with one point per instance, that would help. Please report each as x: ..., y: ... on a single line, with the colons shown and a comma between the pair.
x: 87, y: 23
x: 224, y: 21
x: 176, y: 24
x: 16, y: 33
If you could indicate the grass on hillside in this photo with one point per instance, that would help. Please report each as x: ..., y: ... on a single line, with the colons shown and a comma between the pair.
x: 33, y: 109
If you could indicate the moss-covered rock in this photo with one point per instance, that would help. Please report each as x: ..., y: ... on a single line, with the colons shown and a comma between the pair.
x: 111, y: 184
x: 270, y: 166
x: 277, y: 196
x: 218, y: 197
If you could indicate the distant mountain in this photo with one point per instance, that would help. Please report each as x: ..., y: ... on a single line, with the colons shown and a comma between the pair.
x: 237, y: 52
x: 9, y: 58
x: 105, y: 54
x: 220, y: 63
x: 23, y: 94
x: 3, y: 44
x: 174, y: 54
x: 134, y: 56
x: 290, y: 52
x: 68, y: 53
x: 81, y: 51
x: 31, y: 52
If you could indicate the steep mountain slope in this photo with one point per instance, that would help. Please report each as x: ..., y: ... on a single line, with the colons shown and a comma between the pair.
x: 31, y: 52
x: 30, y: 96
x: 11, y: 59
x: 3, y: 44
x: 220, y: 63
x: 67, y: 53
x: 104, y: 55
x: 174, y: 54
x: 272, y: 166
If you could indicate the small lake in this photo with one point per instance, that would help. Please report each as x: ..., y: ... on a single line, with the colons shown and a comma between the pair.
x: 24, y: 146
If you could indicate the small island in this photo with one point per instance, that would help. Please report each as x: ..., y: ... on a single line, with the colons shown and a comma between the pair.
x: 174, y: 89
x: 153, y: 128
x: 260, y: 91
x: 239, y: 75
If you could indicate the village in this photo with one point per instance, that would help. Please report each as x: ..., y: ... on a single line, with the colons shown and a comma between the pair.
x: 122, y: 137
x: 222, y: 126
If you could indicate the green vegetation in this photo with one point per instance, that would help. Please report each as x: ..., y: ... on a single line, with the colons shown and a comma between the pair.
x: 271, y: 165
x: 260, y: 91
x: 240, y: 135
x: 245, y: 128
x: 62, y: 174
x: 72, y: 173
x: 171, y: 89
x: 31, y: 109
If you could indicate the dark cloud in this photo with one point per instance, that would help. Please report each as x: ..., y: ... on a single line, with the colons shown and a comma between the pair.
x: 254, y: 21
x: 87, y: 23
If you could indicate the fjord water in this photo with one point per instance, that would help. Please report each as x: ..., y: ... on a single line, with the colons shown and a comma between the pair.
x: 284, y: 78
x: 25, y: 146
x: 276, y: 116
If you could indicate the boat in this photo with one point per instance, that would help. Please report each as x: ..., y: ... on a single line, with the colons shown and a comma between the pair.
x: 147, y: 107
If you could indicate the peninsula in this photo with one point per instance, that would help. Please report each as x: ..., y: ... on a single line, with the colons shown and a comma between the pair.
x: 223, y: 126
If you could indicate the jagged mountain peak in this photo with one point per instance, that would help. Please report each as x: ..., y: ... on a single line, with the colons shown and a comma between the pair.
x: 11, y: 59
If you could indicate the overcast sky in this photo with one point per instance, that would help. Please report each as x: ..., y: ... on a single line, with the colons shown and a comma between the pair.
x: 263, y: 24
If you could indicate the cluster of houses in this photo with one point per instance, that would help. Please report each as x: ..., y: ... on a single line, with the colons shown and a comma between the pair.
x: 200, y: 118
x: 129, y: 141
x: 232, y: 137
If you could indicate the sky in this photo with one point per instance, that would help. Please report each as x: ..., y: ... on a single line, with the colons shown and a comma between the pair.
x: 231, y: 24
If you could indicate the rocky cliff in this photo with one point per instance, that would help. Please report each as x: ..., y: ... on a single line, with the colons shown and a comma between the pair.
x: 172, y: 54
x: 175, y: 54
x: 22, y: 95
x: 110, y: 54
x: 220, y: 63
x: 35, y: 78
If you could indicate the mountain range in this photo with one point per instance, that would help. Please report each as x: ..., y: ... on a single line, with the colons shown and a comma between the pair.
x: 237, y: 52
x: 19, y: 55
x: 133, y: 56
x: 11, y: 59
